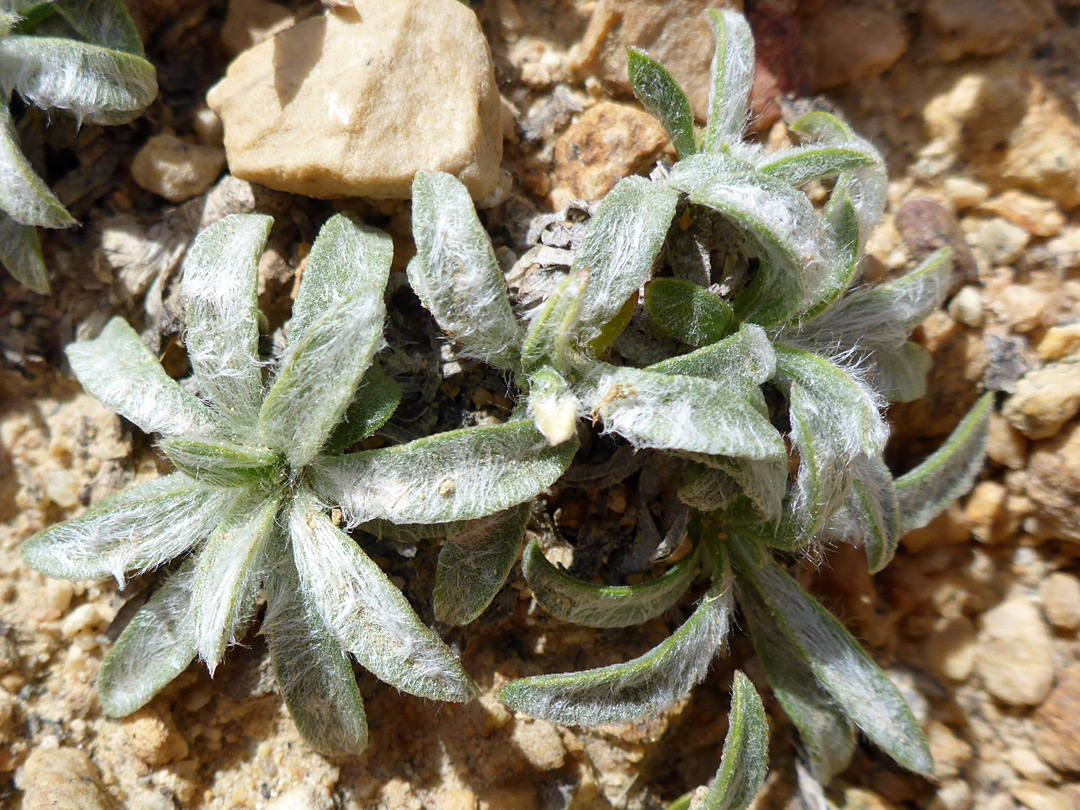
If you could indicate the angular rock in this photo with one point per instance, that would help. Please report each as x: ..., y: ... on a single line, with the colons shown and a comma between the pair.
x: 1057, y: 721
x: 608, y: 142
x: 846, y: 41
x: 1015, y: 657
x: 62, y: 779
x: 1035, y: 215
x: 539, y: 742
x: 1053, y: 482
x: 1044, y: 400
x: 1059, y: 341
x: 927, y: 225
x: 355, y: 102
x: 175, y: 169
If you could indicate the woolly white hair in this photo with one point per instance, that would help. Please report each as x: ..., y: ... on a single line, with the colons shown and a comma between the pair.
x: 132, y: 532
x: 95, y: 84
x: 365, y: 613
x: 455, y: 273
x: 457, y: 475
x: 644, y: 686
x: 23, y: 195
x: 732, y: 75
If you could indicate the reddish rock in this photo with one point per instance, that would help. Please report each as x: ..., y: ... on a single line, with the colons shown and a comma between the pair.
x: 847, y: 41
x: 1057, y: 721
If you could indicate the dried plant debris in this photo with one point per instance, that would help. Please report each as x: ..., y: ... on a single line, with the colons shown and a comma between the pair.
x: 786, y: 363
x: 83, y: 57
x: 260, y: 457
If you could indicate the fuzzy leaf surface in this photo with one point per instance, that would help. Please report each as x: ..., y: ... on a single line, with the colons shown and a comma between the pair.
x: 218, y: 464
x: 102, y: 22
x: 222, y: 338
x: 876, y: 508
x: 620, y: 246
x: 347, y: 259
x: 679, y: 412
x: 474, y: 563
x: 803, y: 164
x: 687, y: 311
x: 548, y: 337
x: 20, y: 254
x: 23, y: 195
x: 745, y: 360
x: 797, y: 251
x: 117, y: 368
x: 745, y: 760
x: 229, y: 573
x: 366, y: 614
x: 584, y: 603
x: 455, y: 273
x: 553, y: 406
x: 840, y: 666
x: 313, y: 673
x: 732, y: 75
x: 155, y: 647
x: 827, y: 736
x: 900, y: 374
x: 95, y: 84
x: 457, y: 475
x: 133, y: 531
x: 661, y: 95
x: 644, y: 686
x: 927, y: 490
x: 372, y: 406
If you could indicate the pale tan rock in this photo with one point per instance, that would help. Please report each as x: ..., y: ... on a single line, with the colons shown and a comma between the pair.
x: 951, y: 648
x: 1059, y: 341
x: 951, y: 753
x: 1023, y: 307
x: 1035, y: 215
x: 1000, y: 242
x: 1057, y: 721
x: 673, y: 31
x: 983, y: 27
x: 1027, y: 763
x: 175, y: 169
x: 1015, y: 658
x: 1034, y: 796
x: 1044, y: 400
x: 540, y: 743
x: 353, y: 103
x: 609, y: 142
x: 985, y: 507
x: 1060, y: 595
x: 843, y: 42
x: 1053, y: 482
x: 249, y: 22
x: 953, y: 795
x: 967, y: 307
x: 62, y: 779
x: 301, y: 798
x: 460, y: 799
x: 1007, y: 445
x: 154, y: 737
x: 964, y: 192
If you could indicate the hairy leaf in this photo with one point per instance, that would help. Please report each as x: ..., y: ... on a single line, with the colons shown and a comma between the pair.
x: 583, y: 603
x: 876, y: 509
x: 797, y: 251
x: 313, y: 673
x: 763, y: 481
x: 220, y: 465
x: 23, y: 195
x: 826, y: 734
x: 457, y: 475
x: 927, y: 490
x: 661, y: 95
x: 95, y: 84
x: 688, y: 312
x: 900, y: 374
x: 548, y: 338
x: 803, y: 164
x: 366, y: 614
x: 20, y: 254
x: 117, y: 368
x: 678, y: 412
x: 228, y: 575
x: 102, y: 22
x: 732, y: 77
x: 620, y: 246
x: 644, y: 686
x: 745, y: 760
x: 133, y: 531
x: 155, y: 647
x: 222, y: 338
x: 455, y: 273
x: 840, y: 665
x: 745, y: 360
x: 474, y: 563
x: 372, y: 406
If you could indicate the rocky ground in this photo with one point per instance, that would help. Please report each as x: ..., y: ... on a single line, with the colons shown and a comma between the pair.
x: 974, y: 104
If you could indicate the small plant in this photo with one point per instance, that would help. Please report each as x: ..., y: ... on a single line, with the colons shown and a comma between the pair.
x: 80, y: 56
x: 788, y: 368
x: 258, y: 466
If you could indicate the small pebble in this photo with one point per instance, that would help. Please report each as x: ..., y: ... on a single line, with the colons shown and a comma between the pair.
x: 954, y: 795
x: 1060, y: 595
x: 1015, y: 657
x: 967, y: 307
x: 963, y: 192
x: 1059, y: 341
x: 175, y: 169
x: 1027, y: 763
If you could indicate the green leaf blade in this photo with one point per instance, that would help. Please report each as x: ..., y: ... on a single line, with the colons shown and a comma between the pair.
x: 102, y: 22
x: 732, y: 75
x: 688, y: 312
x: 23, y: 195
x: 20, y: 254
x: 745, y: 760
x: 661, y: 95
x: 374, y: 402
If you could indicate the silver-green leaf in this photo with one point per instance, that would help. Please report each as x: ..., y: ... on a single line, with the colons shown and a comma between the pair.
x: 661, y: 95
x: 745, y: 760
x: 732, y: 77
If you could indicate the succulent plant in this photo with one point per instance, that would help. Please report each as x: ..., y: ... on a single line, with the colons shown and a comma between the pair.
x: 80, y: 56
x: 260, y: 458
x: 775, y: 408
